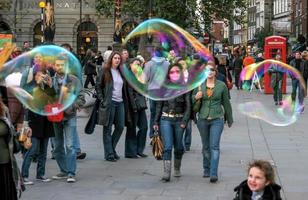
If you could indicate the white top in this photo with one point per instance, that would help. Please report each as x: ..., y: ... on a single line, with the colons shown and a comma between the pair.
x: 117, y: 85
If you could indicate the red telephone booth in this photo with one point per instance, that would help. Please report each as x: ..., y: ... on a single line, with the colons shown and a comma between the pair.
x: 274, y: 45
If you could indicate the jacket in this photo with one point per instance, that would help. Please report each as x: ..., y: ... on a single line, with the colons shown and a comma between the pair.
x: 15, y: 170
x: 215, y: 106
x: 276, y: 75
x: 137, y: 102
x: 104, y: 95
x: 271, y: 192
x: 302, y: 66
x: 178, y: 105
x: 155, y: 72
x: 72, y: 83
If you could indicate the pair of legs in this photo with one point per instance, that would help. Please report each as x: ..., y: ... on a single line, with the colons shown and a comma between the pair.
x: 135, y: 142
x: 64, y: 146
x: 110, y: 140
x: 210, y: 132
x: 89, y: 79
x: 39, y: 151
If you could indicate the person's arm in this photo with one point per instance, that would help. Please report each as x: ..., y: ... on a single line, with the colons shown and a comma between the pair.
x: 227, y: 106
x: 159, y: 107
x: 131, y: 97
x: 187, y: 112
x: 99, y: 86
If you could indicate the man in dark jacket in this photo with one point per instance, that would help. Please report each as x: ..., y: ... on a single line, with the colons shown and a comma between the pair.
x: 65, y: 131
x: 299, y: 64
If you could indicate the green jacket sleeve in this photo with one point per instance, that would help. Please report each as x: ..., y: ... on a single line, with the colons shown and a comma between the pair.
x: 227, y: 105
x: 187, y: 112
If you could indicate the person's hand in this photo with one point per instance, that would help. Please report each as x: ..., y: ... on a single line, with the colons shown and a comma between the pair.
x: 155, y: 127
x: 229, y: 125
x: 183, y: 126
x: 28, y: 132
x: 198, y: 95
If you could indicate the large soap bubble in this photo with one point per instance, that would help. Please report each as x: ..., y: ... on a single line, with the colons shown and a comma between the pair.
x: 172, y: 45
x: 45, y: 80
x: 289, y: 110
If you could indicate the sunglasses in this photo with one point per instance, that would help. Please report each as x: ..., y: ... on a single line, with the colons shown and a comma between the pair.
x: 174, y: 72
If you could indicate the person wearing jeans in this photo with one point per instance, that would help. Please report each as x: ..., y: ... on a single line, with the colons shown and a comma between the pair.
x: 299, y: 64
x: 211, y: 102
x: 135, y: 141
x: 171, y: 118
x: 66, y: 130
x: 113, y: 109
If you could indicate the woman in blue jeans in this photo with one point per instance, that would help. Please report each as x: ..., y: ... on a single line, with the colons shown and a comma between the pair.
x: 172, y: 117
x: 211, y: 101
x: 113, y: 108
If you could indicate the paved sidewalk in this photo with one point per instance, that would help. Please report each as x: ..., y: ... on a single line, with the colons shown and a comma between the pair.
x: 139, y: 179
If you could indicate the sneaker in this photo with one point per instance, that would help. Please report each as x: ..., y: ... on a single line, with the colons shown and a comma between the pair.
x: 59, y: 176
x: 213, y: 179
x: 43, y: 179
x: 71, y: 179
x: 28, y: 182
x: 81, y: 156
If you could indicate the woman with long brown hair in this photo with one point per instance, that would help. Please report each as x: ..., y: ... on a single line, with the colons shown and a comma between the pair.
x: 10, y: 180
x: 110, y: 89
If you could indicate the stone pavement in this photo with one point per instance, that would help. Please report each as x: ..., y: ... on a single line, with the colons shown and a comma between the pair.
x: 139, y: 179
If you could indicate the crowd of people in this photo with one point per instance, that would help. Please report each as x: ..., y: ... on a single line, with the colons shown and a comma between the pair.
x: 120, y: 106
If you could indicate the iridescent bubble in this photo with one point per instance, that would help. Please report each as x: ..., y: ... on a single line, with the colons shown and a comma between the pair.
x: 173, y: 45
x: 46, y: 76
x: 288, y: 111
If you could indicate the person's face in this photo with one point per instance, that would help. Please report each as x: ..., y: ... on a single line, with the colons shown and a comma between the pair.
x: 174, y: 74
x: 172, y: 54
x: 116, y: 60
x: 297, y: 56
x: 59, y: 66
x: 125, y: 54
x: 256, y: 179
x: 38, y: 59
x: 134, y: 66
x: 211, y: 72
x: 26, y: 45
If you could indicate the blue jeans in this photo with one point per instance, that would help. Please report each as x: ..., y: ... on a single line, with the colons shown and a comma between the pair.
x: 187, y: 136
x: 135, y: 143
x: 64, y: 144
x: 172, y: 135
x: 76, y: 144
x: 210, y: 132
x: 296, y: 84
x: 117, y: 117
x: 38, y: 150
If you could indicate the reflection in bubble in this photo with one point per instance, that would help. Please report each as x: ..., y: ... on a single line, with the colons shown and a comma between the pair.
x: 175, y: 44
x: 285, y: 114
x: 44, y: 76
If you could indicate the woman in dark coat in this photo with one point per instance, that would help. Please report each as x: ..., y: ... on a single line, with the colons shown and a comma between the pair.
x: 113, y: 109
x: 37, y: 81
x: 89, y: 68
x: 10, y: 180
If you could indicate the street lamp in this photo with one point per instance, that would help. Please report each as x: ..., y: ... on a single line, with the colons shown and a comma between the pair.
x: 42, y: 5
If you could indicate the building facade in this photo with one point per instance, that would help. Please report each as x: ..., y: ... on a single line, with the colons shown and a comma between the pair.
x: 299, y: 18
x: 251, y: 21
x: 281, y: 22
x: 78, y: 25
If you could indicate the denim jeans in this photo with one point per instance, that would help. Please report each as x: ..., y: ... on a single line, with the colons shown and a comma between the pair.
x: 278, y: 92
x: 296, y: 84
x: 152, y: 116
x: 210, y: 132
x: 38, y: 150
x: 117, y: 117
x: 76, y: 144
x: 64, y: 144
x: 187, y: 136
x: 135, y: 143
x: 172, y: 135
